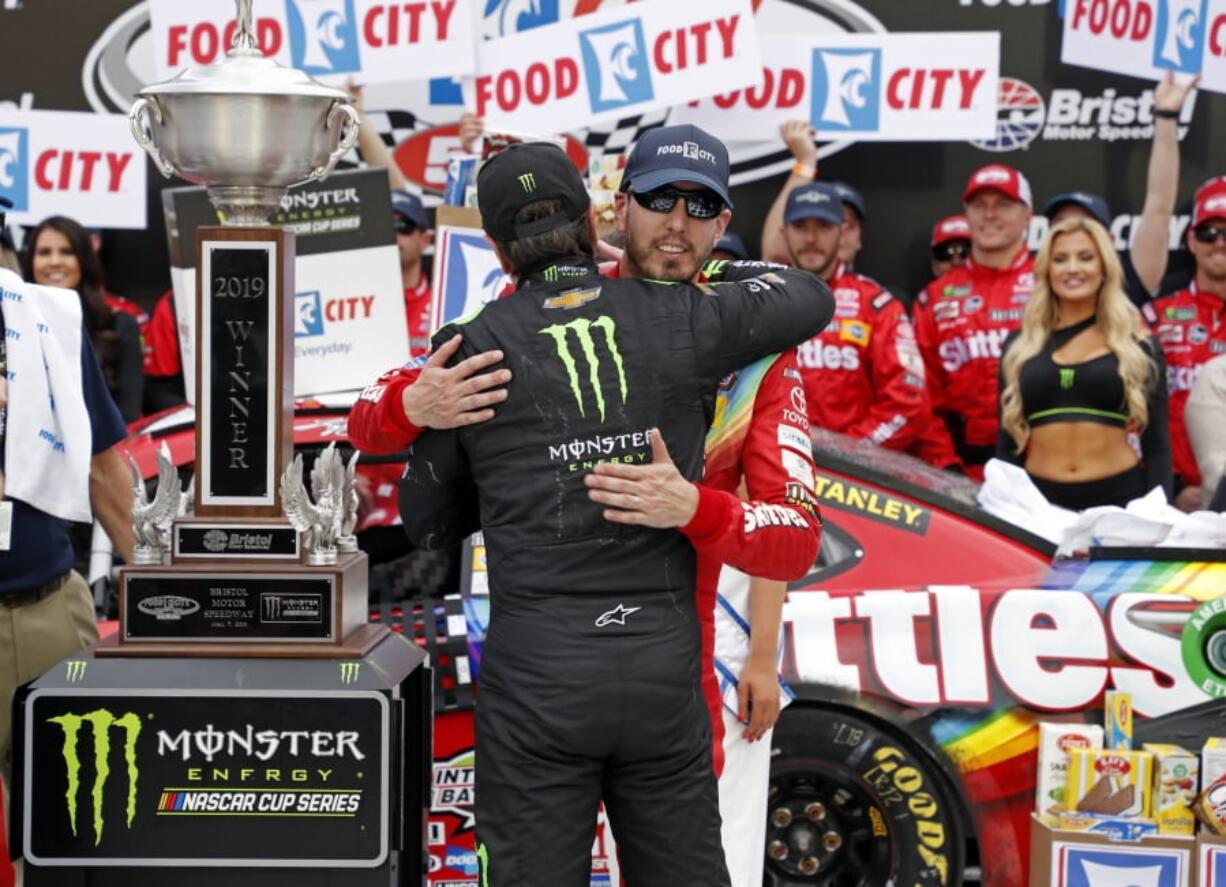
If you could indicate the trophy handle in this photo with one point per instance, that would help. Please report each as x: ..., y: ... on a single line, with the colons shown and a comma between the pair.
x: 349, y: 138
x: 142, y: 131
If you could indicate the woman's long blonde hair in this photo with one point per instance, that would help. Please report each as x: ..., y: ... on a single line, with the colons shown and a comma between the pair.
x: 1117, y: 318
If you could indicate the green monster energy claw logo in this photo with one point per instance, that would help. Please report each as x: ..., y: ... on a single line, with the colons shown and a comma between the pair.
x: 483, y: 861
x: 551, y: 274
x: 583, y: 331
x: 349, y: 671
x: 100, y: 722
x: 528, y: 182
x: 1066, y: 378
x: 75, y: 670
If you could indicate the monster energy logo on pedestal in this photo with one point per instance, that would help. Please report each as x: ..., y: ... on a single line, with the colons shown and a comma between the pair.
x: 101, y: 721
x: 583, y: 332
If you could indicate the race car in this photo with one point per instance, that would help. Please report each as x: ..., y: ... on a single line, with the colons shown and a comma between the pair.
x: 924, y: 647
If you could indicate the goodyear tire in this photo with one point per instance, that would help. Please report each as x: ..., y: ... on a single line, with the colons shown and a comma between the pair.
x: 854, y: 804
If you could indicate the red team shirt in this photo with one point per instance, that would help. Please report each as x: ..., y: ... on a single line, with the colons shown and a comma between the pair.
x: 961, y: 322
x: 863, y: 374
x: 1192, y: 329
x: 417, y: 315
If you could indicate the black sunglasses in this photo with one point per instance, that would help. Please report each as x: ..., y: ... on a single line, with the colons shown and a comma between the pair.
x: 403, y: 225
x: 944, y: 252
x: 698, y: 204
x: 1209, y: 233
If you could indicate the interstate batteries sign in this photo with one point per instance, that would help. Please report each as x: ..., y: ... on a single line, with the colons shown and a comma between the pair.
x: 207, y: 778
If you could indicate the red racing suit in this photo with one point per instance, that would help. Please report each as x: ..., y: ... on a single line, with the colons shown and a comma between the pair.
x: 961, y: 322
x: 1191, y: 326
x: 863, y: 374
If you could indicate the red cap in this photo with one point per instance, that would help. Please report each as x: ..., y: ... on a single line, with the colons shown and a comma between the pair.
x: 1211, y: 206
x: 951, y: 228
x: 1215, y: 185
x: 998, y: 177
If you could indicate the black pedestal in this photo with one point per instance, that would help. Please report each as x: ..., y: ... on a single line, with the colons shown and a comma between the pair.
x: 270, y: 772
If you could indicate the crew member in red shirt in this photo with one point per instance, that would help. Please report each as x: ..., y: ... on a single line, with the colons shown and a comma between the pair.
x: 963, y: 318
x: 863, y: 374
x: 1192, y: 328
x: 412, y: 237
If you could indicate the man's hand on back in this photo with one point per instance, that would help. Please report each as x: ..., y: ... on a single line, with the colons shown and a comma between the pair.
x: 654, y: 495
x: 451, y: 397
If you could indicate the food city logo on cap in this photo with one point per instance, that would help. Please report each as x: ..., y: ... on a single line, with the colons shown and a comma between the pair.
x: 323, y: 36
x: 1179, y: 43
x: 688, y: 150
x: 846, y: 89
x: 615, y: 65
x: 14, y: 167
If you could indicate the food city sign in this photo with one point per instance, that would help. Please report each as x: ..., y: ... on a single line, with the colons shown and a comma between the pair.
x: 368, y: 40
x: 887, y: 87
x: 614, y: 64
x: 1048, y: 650
x: 74, y: 164
x: 1146, y: 38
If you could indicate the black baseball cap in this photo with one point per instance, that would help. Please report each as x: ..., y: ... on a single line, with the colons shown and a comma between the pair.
x: 5, y: 204
x: 681, y: 153
x: 732, y: 244
x: 524, y: 173
x: 816, y: 200
x: 1091, y: 203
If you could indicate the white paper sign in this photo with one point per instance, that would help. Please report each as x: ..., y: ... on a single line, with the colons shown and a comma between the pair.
x: 466, y: 274
x: 82, y: 165
x: 614, y: 64
x: 1147, y: 38
x: 368, y: 40
x: 870, y: 87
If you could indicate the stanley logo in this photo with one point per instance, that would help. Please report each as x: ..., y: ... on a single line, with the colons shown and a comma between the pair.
x: 572, y: 298
x: 528, y: 182
x: 349, y: 671
x: 582, y: 328
x: 75, y: 670
x: 100, y: 722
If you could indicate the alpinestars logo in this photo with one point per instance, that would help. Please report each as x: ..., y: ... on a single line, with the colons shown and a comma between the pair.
x: 616, y: 616
x: 582, y: 328
x: 100, y: 723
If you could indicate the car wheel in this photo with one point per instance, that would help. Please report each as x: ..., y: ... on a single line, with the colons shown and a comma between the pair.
x: 854, y: 803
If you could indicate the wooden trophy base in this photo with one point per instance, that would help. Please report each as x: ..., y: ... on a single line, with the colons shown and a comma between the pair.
x: 246, y: 610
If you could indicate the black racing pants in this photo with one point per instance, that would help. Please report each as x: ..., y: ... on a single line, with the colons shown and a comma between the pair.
x: 588, y: 698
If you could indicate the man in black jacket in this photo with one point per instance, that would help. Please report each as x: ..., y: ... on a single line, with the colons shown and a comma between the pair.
x: 591, y: 670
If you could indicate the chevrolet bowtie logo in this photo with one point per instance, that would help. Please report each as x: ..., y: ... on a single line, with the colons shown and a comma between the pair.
x: 573, y: 298
x: 616, y: 616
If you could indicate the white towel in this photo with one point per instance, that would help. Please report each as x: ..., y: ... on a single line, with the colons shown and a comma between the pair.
x: 48, y: 444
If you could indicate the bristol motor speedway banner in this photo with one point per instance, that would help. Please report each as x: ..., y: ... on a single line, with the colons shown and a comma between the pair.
x: 85, y: 166
x: 368, y: 40
x: 893, y: 87
x: 612, y: 64
x: 349, y: 317
x: 1146, y: 38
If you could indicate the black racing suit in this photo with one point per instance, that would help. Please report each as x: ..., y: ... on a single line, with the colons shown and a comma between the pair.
x: 590, y: 678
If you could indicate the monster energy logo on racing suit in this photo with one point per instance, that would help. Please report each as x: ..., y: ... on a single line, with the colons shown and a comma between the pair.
x: 583, y: 332
x: 101, y: 721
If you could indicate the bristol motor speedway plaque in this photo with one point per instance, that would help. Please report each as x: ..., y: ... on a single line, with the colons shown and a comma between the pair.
x: 207, y: 778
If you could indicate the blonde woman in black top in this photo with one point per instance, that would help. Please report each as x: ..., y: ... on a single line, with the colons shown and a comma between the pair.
x: 1083, y: 384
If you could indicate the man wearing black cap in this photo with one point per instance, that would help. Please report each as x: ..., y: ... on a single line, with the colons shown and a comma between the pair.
x: 591, y: 669
x: 758, y: 444
x: 412, y: 235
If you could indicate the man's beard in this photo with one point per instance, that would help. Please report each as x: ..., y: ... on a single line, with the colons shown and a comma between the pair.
x: 816, y: 261
x: 646, y: 261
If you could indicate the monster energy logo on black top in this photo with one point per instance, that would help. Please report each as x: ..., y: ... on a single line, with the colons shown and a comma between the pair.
x: 583, y: 333
x: 100, y: 721
x: 1066, y: 378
